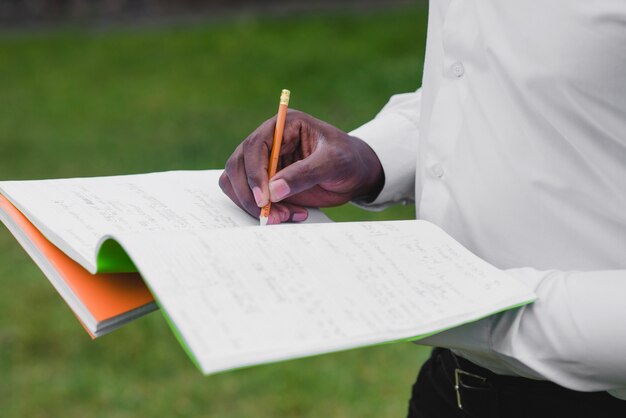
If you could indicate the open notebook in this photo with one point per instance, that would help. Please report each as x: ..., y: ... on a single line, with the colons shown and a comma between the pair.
x: 237, y: 294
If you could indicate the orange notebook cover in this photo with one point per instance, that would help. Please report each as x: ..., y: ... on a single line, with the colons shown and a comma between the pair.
x: 105, y: 296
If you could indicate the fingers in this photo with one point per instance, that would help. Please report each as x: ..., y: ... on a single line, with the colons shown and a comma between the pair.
x: 247, y: 168
x: 235, y: 184
x: 245, y: 179
x: 227, y: 188
x: 287, y: 212
x: 315, y: 158
x: 280, y: 212
x: 303, y: 175
x: 256, y: 149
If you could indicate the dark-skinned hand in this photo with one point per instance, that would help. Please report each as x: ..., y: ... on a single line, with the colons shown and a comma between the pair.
x: 319, y: 165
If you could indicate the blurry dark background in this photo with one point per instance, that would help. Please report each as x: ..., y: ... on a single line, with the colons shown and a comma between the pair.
x: 14, y: 13
x: 92, y: 88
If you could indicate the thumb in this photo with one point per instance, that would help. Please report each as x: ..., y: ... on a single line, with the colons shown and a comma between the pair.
x: 299, y: 176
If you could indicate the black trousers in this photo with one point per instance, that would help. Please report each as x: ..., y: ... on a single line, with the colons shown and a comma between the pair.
x: 450, y: 386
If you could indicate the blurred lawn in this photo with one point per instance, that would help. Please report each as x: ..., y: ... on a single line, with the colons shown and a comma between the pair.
x: 76, y: 102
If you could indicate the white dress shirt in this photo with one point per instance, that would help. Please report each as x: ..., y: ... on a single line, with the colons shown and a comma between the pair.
x: 516, y: 146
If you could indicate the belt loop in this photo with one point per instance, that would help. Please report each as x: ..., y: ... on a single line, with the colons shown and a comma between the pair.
x: 458, y: 375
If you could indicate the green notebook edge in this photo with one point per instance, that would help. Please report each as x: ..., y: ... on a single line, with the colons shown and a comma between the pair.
x: 112, y: 258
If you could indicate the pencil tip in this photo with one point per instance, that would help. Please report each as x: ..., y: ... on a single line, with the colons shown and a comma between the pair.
x: 263, y: 220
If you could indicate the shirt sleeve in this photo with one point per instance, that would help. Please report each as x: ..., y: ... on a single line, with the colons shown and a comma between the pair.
x: 573, y: 335
x: 393, y: 135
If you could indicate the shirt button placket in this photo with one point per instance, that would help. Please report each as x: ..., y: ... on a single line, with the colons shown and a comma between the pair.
x: 458, y: 69
x: 437, y: 170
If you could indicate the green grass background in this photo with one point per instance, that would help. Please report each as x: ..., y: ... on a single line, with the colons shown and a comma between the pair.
x: 80, y: 102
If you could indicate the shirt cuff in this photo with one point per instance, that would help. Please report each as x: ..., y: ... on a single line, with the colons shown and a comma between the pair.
x: 393, y: 137
x: 474, y: 340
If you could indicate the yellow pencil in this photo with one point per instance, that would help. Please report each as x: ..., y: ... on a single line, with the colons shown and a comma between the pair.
x: 275, y: 153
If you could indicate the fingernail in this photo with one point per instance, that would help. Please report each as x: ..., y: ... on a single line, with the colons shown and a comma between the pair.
x: 278, y: 190
x: 299, y: 216
x: 259, y: 197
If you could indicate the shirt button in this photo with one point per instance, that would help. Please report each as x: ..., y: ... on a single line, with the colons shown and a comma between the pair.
x: 436, y: 170
x: 458, y: 69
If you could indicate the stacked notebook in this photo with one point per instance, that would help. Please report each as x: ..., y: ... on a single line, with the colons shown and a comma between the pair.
x: 237, y: 294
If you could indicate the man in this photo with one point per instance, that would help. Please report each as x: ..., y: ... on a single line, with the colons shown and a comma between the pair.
x: 516, y: 146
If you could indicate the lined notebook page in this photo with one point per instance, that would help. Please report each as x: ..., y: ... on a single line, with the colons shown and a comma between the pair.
x: 76, y: 213
x: 254, y: 295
